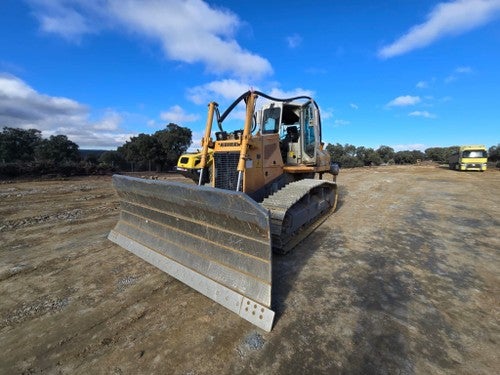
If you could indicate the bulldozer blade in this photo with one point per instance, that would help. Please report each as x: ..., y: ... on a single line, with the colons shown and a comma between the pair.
x: 216, y: 241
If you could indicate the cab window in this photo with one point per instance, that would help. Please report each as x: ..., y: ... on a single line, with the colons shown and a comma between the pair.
x: 271, y: 120
x: 474, y: 154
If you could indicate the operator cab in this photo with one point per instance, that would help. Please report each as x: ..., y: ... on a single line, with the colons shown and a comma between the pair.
x: 298, y: 129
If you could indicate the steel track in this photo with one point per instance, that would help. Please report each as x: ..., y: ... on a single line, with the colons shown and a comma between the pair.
x: 297, y: 209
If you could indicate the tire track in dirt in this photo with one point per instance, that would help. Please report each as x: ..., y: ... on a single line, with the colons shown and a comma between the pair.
x: 66, y: 215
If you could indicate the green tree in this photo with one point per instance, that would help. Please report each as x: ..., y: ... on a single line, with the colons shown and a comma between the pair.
x: 91, y: 159
x: 408, y: 157
x: 367, y: 156
x: 372, y: 157
x: 350, y: 156
x: 361, y: 153
x: 348, y: 161
x: 113, y: 158
x: 173, y: 141
x: 57, y: 148
x: 440, y: 154
x: 350, y: 150
x: 143, y: 149
x: 336, y: 151
x: 386, y: 153
x: 345, y: 155
x: 18, y: 144
x: 162, y: 149
x: 494, y: 153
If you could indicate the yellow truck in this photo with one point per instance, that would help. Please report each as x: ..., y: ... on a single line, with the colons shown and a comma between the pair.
x: 469, y: 158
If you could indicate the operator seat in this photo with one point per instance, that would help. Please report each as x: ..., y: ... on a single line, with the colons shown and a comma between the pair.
x: 292, y: 134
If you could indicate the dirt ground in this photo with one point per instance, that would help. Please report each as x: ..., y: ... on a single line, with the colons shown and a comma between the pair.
x: 403, y: 279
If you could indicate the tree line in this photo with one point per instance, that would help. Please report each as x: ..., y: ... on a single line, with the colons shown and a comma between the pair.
x: 25, y: 152
x: 350, y: 156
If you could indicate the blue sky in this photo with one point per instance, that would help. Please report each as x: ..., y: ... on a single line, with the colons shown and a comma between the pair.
x: 408, y: 74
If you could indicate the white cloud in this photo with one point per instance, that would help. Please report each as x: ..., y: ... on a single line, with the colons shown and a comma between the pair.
x: 110, y: 121
x: 422, y: 114
x: 23, y: 107
x: 450, y: 78
x: 177, y: 115
x: 189, y: 31
x: 225, y: 92
x: 12, y: 87
x: 59, y: 19
x: 20, y: 104
x: 326, y: 113
x: 294, y: 40
x: 461, y: 70
x: 284, y: 94
x: 445, y: 19
x: 402, y: 101
x: 227, y: 89
x: 422, y: 85
x: 196, y: 143
x: 340, y: 122
x: 354, y: 106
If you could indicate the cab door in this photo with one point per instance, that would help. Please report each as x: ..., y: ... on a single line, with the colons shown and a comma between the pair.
x: 311, y: 136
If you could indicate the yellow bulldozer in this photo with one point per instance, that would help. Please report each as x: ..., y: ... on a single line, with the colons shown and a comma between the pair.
x: 266, y: 193
x: 189, y: 165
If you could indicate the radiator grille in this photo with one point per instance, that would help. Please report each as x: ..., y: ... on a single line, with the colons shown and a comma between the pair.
x: 226, y: 173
